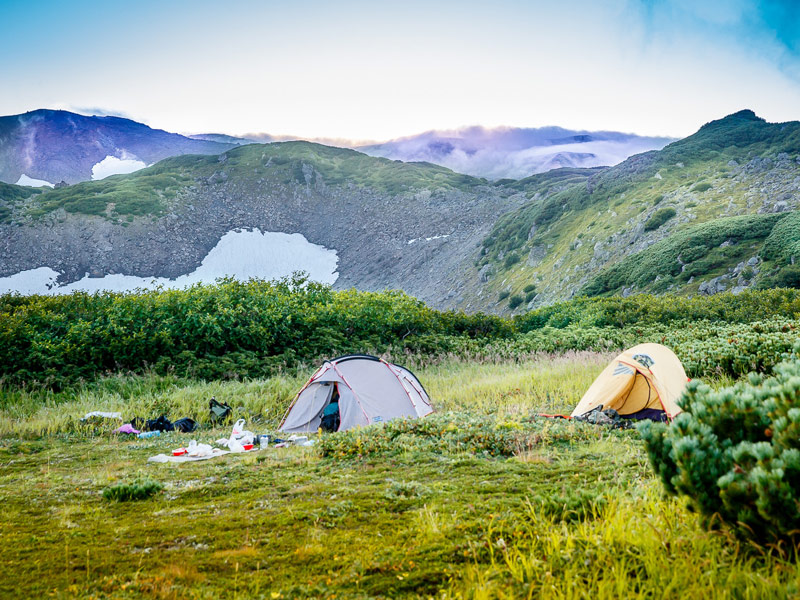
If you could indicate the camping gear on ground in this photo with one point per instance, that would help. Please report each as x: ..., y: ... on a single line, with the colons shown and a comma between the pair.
x: 263, y: 441
x: 239, y: 438
x: 644, y: 382
x: 163, y: 458
x: 609, y: 417
x: 148, y: 434
x: 219, y: 411
x: 370, y: 390
x: 331, y: 419
x: 162, y: 423
x: 127, y: 428
x: 102, y: 415
x: 185, y: 425
x: 299, y: 440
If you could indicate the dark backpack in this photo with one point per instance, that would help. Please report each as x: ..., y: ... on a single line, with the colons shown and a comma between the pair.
x: 219, y: 412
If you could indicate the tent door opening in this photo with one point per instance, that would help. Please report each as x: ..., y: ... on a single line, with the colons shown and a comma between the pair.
x: 330, y: 417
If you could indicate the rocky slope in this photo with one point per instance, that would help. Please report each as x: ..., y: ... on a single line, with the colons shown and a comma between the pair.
x: 394, y: 225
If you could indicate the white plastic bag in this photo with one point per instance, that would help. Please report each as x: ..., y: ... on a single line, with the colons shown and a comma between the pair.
x: 195, y: 449
x: 240, y: 434
x: 238, y: 439
x: 234, y: 445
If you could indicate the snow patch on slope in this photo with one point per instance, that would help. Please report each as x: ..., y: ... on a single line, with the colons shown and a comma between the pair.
x: 30, y: 182
x: 111, y: 165
x: 239, y: 254
x: 428, y: 239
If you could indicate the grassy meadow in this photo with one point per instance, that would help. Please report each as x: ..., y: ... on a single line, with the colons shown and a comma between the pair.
x: 576, y: 512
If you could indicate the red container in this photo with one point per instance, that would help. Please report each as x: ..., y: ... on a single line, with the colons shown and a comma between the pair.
x: 179, y: 452
x: 248, y: 447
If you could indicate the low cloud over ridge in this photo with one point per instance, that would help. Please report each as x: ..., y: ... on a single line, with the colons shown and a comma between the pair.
x: 516, y: 152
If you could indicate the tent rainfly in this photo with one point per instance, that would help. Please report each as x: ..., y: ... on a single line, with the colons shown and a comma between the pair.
x: 644, y: 382
x: 370, y: 390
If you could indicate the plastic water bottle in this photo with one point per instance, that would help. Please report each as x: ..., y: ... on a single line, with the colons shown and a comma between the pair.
x: 148, y: 434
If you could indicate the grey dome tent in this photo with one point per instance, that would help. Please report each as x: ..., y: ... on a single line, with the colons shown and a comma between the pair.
x: 370, y: 390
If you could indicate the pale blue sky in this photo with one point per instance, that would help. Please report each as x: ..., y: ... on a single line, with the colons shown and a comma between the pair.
x: 375, y: 70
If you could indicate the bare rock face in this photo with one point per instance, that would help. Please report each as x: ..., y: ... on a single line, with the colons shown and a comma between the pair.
x: 715, y: 285
x: 536, y: 255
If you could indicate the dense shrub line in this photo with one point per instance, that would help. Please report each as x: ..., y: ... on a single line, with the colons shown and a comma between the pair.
x: 646, y: 309
x: 235, y: 330
x: 229, y: 329
x: 704, y: 347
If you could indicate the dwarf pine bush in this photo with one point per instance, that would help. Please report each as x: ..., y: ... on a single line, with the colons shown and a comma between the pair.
x: 735, y: 453
x: 140, y: 489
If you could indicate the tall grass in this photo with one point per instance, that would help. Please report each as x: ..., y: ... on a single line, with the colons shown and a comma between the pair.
x: 639, y: 545
x: 541, y: 383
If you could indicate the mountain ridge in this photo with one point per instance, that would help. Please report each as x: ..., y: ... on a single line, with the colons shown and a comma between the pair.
x: 451, y: 239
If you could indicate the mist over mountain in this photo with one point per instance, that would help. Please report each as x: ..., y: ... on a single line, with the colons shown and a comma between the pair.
x: 46, y: 147
x: 514, y: 152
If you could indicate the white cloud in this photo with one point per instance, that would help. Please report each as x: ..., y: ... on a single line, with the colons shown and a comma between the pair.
x: 515, y: 152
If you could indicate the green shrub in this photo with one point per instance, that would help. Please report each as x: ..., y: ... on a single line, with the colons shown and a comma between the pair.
x: 530, y: 296
x: 658, y: 218
x: 452, y: 433
x: 572, y: 505
x: 694, y: 253
x: 231, y: 329
x: 531, y: 287
x: 783, y: 243
x: 701, y: 187
x: 788, y: 276
x: 140, y: 489
x: 735, y: 453
x: 512, y: 259
x: 515, y: 301
x: 503, y: 295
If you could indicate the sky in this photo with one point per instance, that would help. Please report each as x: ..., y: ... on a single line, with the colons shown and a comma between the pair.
x: 375, y: 70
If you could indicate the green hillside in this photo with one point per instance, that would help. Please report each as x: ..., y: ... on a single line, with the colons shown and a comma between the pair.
x: 12, y: 196
x: 154, y: 190
x: 661, y: 221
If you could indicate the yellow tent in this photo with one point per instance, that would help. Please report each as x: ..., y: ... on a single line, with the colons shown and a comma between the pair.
x: 643, y: 381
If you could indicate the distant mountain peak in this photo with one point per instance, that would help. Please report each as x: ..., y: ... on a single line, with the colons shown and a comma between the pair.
x: 51, y: 145
x: 742, y: 116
